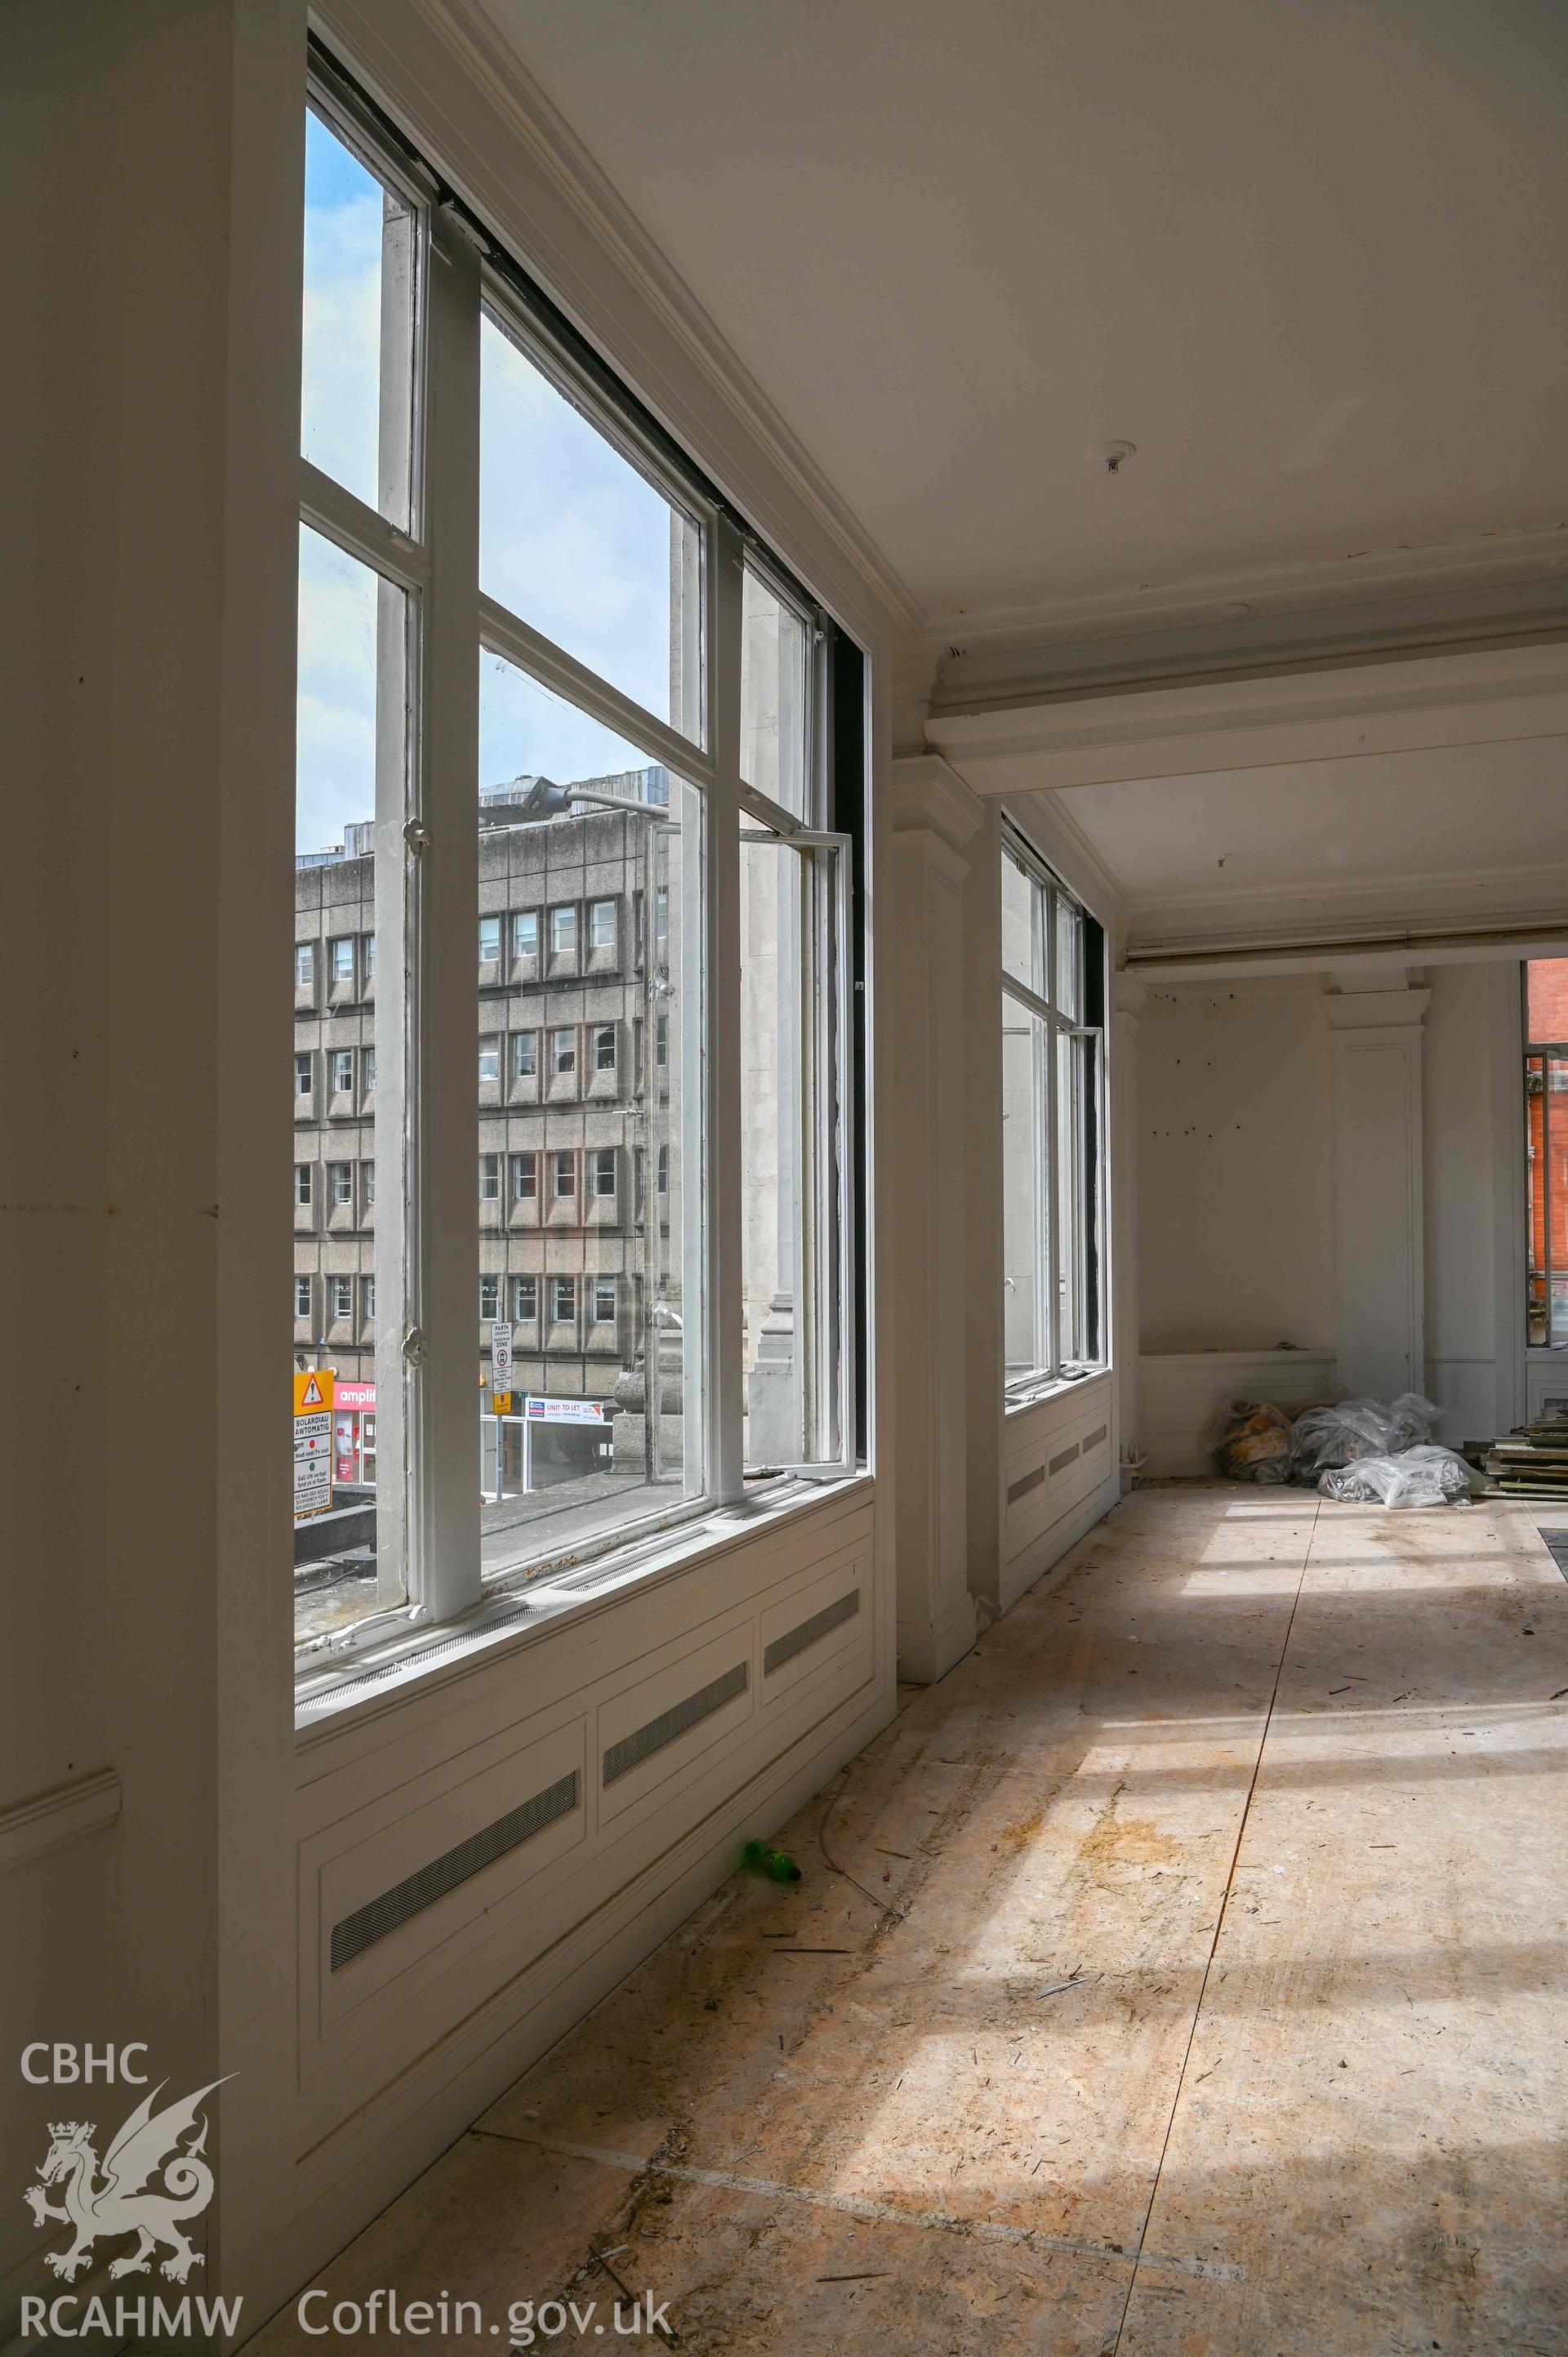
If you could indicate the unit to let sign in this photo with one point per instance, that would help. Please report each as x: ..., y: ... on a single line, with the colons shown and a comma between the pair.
x: 501, y: 1356
x: 313, y: 1443
x: 564, y: 1411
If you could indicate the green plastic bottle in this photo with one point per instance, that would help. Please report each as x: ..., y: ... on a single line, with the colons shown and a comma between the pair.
x: 777, y: 1864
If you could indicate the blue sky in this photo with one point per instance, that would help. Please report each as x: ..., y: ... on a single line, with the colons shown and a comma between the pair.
x: 571, y: 537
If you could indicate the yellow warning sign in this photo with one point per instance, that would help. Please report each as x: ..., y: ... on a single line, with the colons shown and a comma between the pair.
x: 313, y: 1391
x: 503, y: 1402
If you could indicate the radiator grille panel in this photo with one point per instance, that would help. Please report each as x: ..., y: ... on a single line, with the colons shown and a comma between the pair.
x: 1092, y: 1439
x: 634, y: 1749
x: 1025, y: 1484
x: 398, y: 1906
x: 1065, y: 1459
x: 795, y: 1641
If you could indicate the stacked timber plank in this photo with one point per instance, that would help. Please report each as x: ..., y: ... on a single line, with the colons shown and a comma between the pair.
x: 1532, y: 1462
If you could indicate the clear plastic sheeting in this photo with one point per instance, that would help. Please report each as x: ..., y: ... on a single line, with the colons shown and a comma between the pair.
x: 1256, y: 1443
x: 1419, y: 1476
x: 1326, y: 1438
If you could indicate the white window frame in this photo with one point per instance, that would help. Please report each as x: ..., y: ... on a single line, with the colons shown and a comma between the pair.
x: 521, y: 917
x: 485, y: 958
x: 302, y: 1290
x: 427, y: 913
x: 491, y: 1046
x: 602, y: 1159
x: 342, y: 948
x: 522, y: 1317
x: 1027, y: 1384
x: 489, y: 1167
x: 598, y: 1288
x: 596, y: 909
x: 342, y: 1060
x: 342, y: 1293
x: 520, y: 1071
x: 304, y: 1194
x: 340, y: 1186
x: 567, y: 909
x: 490, y: 1300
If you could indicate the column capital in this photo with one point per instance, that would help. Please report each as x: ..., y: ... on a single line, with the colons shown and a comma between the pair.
x: 928, y: 797
x: 1377, y: 1010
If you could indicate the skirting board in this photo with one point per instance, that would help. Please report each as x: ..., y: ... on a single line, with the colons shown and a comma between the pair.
x: 1183, y: 1396
x: 1028, y: 1570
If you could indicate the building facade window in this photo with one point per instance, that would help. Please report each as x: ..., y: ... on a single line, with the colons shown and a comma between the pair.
x: 563, y: 1051
x: 489, y: 1178
x: 302, y: 1298
x: 342, y: 1298
x: 1053, y: 1148
x: 524, y: 1177
x: 563, y: 1175
x: 369, y: 958
x: 341, y: 1178
x: 301, y: 1185
x: 603, y: 1048
x: 601, y: 924
x: 343, y: 1071
x: 562, y: 1300
x: 342, y: 964
x: 303, y: 1083
x: 1546, y: 1152
x: 602, y: 1171
x: 524, y: 1055
x: 602, y: 1301
x: 368, y: 1300
x: 489, y: 940
x: 562, y: 932
x: 305, y: 966
x: 367, y: 1184
x: 490, y: 1300
x: 367, y: 1066
x: 525, y: 933
x: 524, y: 1299
x: 491, y: 1058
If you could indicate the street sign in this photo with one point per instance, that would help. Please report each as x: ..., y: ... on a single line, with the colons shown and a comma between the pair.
x: 501, y: 1356
x: 313, y: 1443
x: 503, y: 1402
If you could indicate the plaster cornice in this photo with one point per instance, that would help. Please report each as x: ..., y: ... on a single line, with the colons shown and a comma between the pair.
x: 467, y: 33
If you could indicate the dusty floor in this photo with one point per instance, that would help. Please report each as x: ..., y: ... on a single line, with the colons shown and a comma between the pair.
x: 1218, y: 2009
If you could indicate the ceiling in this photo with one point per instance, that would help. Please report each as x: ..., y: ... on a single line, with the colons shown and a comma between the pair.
x: 1305, y: 256
x: 1453, y: 834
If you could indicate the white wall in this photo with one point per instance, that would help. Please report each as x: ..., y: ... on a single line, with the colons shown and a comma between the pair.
x: 1236, y: 1172
x: 1237, y: 1146
x: 1467, y: 1186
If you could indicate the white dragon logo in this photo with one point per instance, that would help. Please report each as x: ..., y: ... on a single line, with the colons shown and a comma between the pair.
x: 123, y: 2202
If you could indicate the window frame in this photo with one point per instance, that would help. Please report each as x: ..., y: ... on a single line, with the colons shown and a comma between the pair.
x: 425, y: 1007
x: 1544, y: 1053
x: 1056, y: 1369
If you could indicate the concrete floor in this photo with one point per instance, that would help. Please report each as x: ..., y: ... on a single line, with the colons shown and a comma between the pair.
x: 1200, y: 1991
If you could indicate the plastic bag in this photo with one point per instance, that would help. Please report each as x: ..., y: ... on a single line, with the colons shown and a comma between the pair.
x: 1422, y: 1476
x: 1325, y: 1438
x: 1255, y: 1445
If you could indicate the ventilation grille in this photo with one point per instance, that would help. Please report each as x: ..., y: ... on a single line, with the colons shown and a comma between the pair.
x: 1092, y: 1439
x: 378, y: 1917
x: 1025, y: 1482
x: 633, y: 1750
x: 795, y: 1641
x: 1065, y: 1458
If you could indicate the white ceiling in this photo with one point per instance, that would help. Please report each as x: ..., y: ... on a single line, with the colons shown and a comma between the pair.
x: 1307, y: 258
x: 1458, y: 833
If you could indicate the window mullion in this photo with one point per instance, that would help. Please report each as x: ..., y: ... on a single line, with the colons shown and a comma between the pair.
x: 1048, y: 1160
x: 722, y: 1191
x: 444, y: 1098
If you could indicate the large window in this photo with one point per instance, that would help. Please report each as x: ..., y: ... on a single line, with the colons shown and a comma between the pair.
x: 551, y: 688
x: 1546, y: 1151
x: 1053, y: 986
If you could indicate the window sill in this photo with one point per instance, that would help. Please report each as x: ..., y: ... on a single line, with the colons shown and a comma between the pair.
x: 1050, y: 1387
x: 335, y: 1689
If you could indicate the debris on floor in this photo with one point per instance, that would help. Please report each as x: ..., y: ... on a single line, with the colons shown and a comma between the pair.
x: 1532, y: 1462
x: 1358, y: 1451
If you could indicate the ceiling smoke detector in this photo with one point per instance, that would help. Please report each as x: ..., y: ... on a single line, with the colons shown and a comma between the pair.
x: 1113, y: 456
